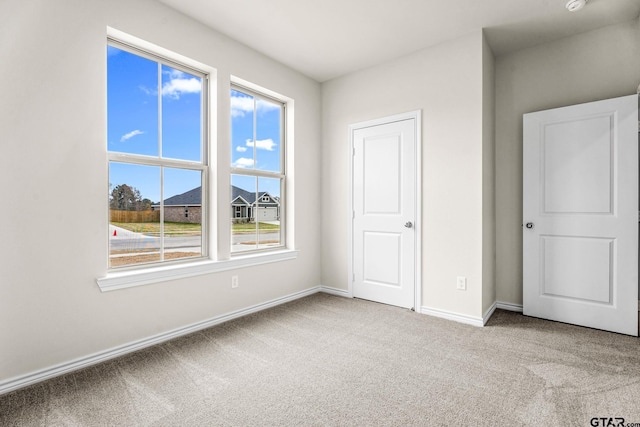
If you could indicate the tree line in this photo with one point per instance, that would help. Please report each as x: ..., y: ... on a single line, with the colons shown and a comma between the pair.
x: 124, y: 197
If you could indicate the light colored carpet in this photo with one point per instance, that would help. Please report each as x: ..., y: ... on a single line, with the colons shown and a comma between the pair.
x: 326, y: 360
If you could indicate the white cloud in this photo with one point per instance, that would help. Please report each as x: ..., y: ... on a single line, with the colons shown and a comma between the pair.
x: 179, y: 85
x: 241, y: 105
x: 243, y: 162
x: 131, y: 135
x: 241, y: 149
x: 262, y: 144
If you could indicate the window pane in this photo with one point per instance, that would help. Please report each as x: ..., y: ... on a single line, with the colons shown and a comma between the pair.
x: 132, y: 103
x: 181, y: 115
x: 268, y: 135
x: 134, y: 223
x: 268, y: 212
x: 242, y: 115
x: 182, y: 213
x: 243, y: 225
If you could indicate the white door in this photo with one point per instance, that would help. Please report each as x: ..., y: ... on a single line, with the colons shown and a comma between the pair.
x: 384, y: 205
x: 580, y: 214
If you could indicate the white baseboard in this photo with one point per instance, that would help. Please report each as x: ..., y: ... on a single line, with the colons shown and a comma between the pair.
x: 462, y: 318
x: 509, y: 306
x: 489, y: 313
x: 21, y: 381
x: 335, y: 291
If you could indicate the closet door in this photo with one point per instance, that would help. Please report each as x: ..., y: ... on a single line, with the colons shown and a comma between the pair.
x: 580, y: 214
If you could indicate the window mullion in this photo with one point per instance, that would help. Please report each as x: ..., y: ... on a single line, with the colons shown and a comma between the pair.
x: 161, y: 236
x: 255, y: 167
x: 159, y: 110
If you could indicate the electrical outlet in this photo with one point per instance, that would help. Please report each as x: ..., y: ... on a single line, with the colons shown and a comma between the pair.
x: 234, y: 281
x: 461, y: 283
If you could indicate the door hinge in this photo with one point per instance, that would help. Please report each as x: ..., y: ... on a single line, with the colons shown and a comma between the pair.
x: 353, y: 214
x: 353, y: 152
x: 353, y: 277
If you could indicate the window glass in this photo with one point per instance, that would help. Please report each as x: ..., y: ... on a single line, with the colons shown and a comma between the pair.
x: 132, y: 107
x: 134, y: 224
x: 268, y: 212
x: 267, y: 143
x: 182, y: 213
x: 244, y: 230
x: 181, y: 115
x: 242, y: 120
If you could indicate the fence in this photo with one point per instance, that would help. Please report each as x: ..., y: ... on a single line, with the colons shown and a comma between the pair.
x: 134, y: 216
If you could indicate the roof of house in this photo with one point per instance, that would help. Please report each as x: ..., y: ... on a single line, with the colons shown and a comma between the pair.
x: 248, y: 196
x: 194, y: 197
x: 190, y: 198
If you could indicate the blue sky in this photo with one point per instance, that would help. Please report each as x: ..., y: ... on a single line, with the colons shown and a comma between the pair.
x: 133, y: 92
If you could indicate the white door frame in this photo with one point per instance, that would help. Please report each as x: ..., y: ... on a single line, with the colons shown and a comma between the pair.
x: 416, y: 116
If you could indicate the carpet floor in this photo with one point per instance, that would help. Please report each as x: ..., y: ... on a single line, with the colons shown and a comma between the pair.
x: 326, y: 360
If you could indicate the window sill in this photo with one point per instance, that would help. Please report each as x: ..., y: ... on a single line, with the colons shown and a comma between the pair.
x: 147, y: 276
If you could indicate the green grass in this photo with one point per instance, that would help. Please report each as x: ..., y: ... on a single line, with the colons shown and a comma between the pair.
x: 251, y: 227
x: 153, y: 228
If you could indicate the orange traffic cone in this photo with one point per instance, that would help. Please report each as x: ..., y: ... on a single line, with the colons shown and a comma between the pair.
x: 115, y: 232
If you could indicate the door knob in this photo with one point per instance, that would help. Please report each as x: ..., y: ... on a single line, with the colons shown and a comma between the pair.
x: 529, y: 225
x: 408, y: 224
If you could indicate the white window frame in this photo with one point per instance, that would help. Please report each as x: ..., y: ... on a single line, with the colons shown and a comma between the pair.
x: 163, y: 162
x: 257, y: 173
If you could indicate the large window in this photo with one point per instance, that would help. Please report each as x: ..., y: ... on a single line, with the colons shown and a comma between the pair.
x: 157, y: 150
x: 257, y: 171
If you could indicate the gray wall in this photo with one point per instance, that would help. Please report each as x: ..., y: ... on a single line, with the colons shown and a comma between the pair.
x: 446, y: 83
x: 600, y: 64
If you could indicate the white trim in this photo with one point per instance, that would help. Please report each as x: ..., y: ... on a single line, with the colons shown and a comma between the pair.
x: 461, y: 318
x: 335, y: 291
x: 129, y: 278
x: 489, y: 313
x: 416, y: 115
x: 509, y: 306
x: 15, y: 383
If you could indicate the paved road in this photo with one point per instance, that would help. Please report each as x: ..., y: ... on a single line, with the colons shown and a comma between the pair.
x: 130, y: 241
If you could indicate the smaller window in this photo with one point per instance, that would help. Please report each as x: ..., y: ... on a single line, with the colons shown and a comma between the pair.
x: 258, y: 144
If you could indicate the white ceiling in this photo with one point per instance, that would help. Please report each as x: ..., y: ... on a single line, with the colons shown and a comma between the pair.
x: 324, y: 39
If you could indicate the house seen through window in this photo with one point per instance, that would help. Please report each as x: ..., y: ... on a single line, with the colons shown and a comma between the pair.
x: 157, y: 150
x: 257, y: 171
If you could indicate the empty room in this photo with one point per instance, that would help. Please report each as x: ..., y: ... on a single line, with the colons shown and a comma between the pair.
x: 356, y: 212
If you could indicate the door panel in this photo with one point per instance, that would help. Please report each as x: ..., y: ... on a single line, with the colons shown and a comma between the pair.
x: 383, y: 202
x: 382, y: 169
x: 578, y: 165
x: 382, y: 258
x: 563, y: 261
x: 580, y: 210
